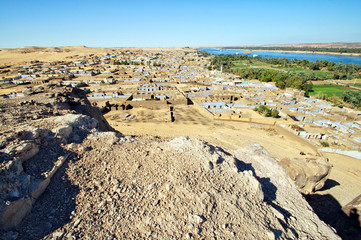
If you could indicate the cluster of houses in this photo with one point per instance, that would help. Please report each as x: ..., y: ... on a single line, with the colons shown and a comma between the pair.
x: 162, y: 78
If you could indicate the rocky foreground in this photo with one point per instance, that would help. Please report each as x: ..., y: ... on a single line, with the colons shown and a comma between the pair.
x: 65, y: 174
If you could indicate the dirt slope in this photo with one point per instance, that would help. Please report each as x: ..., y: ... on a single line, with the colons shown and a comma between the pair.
x: 102, y: 185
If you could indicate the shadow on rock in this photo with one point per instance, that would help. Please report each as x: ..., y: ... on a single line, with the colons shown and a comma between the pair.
x: 268, y: 188
x: 269, y: 191
x: 53, y: 209
x: 329, y: 210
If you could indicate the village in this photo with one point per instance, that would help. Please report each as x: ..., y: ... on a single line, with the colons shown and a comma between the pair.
x: 169, y: 86
x: 180, y: 120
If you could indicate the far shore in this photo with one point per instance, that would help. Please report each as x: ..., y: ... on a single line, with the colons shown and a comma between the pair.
x: 310, y: 52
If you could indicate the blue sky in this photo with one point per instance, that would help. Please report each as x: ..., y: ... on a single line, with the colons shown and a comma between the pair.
x: 177, y: 23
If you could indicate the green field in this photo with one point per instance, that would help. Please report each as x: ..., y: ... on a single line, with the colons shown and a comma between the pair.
x: 244, y: 64
x: 320, y: 74
x: 330, y: 90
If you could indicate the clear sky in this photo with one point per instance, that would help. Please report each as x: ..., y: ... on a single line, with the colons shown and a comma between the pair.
x: 155, y: 23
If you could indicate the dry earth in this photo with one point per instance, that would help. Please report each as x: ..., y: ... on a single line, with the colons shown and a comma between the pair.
x: 117, y: 187
x: 345, y: 174
x: 344, y: 181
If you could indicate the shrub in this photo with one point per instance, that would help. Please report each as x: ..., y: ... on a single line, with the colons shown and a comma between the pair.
x: 275, y: 113
x: 267, y: 112
x: 325, y: 144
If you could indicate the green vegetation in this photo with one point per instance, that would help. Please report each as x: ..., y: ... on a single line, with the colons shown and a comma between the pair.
x: 259, y: 70
x: 352, y: 97
x: 285, y: 72
x: 305, y: 49
x: 328, y: 90
x: 325, y: 144
x: 338, y: 94
x: 267, y: 112
x: 202, y: 54
x: 121, y: 63
x: 126, y: 63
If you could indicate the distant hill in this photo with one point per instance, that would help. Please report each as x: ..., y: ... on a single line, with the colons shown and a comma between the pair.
x: 332, y: 48
x: 311, y: 45
x: 318, y: 45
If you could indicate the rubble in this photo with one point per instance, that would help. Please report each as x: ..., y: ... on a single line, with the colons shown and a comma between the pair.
x: 83, y: 182
x: 27, y: 164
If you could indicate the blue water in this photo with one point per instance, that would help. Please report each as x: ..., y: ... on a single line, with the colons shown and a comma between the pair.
x: 289, y: 55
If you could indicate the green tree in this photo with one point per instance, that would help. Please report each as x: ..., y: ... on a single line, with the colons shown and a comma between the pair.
x: 275, y: 113
x: 352, y: 97
x: 331, y: 66
x: 325, y: 144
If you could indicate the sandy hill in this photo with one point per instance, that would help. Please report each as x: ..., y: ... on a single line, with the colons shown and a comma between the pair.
x: 49, y: 54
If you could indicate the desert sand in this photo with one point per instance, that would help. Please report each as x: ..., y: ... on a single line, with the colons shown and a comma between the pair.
x: 49, y: 54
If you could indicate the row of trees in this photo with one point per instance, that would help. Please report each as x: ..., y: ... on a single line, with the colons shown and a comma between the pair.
x: 285, y: 79
x: 282, y: 79
x: 124, y: 62
x: 202, y: 54
x: 352, y: 97
x: 121, y: 63
x: 127, y: 63
x: 339, y: 70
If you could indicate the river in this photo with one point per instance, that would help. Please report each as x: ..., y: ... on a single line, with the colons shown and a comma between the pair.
x: 290, y: 55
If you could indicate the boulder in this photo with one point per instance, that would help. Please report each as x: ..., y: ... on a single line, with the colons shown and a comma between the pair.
x: 37, y: 188
x: 108, y: 138
x: 16, y: 166
x: 33, y: 133
x: 63, y: 131
x: 15, y: 208
x: 353, y: 209
x: 24, y: 150
x: 309, y: 174
x: 12, y: 212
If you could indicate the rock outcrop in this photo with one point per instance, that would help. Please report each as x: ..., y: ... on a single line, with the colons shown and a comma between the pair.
x: 19, y: 189
x: 31, y: 127
x: 353, y: 209
x: 98, y: 183
x: 309, y: 175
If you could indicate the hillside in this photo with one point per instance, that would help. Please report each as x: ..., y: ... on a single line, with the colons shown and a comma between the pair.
x: 98, y: 183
